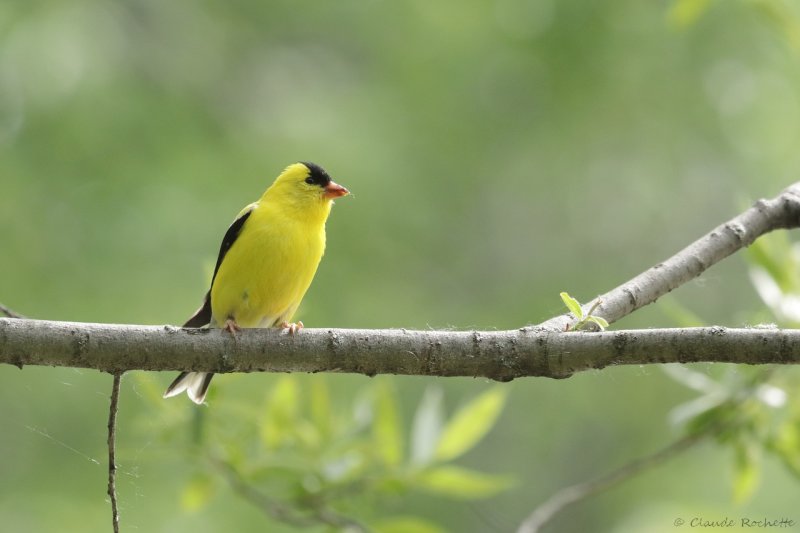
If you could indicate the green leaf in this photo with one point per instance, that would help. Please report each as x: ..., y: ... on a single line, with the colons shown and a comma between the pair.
x: 786, y: 445
x: 471, y: 423
x: 320, y: 400
x: 197, y: 493
x: 774, y: 254
x: 461, y: 483
x: 600, y: 321
x: 427, y: 426
x: 572, y: 304
x: 404, y: 524
x: 746, y: 473
x: 783, y: 18
x: 386, y: 429
x: 724, y: 415
x: 281, y: 413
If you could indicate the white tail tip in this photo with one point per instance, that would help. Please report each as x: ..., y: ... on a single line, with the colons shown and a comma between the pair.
x: 194, y: 383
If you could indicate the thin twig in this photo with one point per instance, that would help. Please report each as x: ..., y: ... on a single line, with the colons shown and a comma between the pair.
x: 112, y: 437
x: 283, y: 512
x: 562, y: 499
x: 558, y: 502
x: 10, y: 313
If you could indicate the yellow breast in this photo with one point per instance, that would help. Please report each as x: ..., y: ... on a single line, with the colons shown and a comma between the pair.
x: 268, y: 270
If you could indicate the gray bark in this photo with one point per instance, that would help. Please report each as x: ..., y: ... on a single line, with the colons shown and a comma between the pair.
x: 498, y: 355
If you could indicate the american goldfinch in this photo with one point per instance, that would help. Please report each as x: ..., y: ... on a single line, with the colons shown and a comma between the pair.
x: 266, y: 262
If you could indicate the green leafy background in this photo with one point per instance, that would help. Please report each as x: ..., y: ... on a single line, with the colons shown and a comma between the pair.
x: 499, y: 153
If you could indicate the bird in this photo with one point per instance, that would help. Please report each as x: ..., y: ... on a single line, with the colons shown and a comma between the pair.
x: 267, y: 260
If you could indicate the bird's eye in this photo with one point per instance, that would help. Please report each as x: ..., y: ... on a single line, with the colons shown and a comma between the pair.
x: 310, y: 180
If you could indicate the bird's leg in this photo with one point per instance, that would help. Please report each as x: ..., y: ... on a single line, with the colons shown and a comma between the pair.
x: 293, y: 328
x: 231, y: 326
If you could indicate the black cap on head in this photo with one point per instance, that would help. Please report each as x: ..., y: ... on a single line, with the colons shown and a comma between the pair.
x: 317, y: 174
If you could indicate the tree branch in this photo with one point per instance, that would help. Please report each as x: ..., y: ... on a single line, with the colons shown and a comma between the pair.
x: 782, y: 211
x: 567, y: 496
x: 498, y: 355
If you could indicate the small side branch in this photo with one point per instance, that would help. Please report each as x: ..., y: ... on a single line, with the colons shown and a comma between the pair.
x: 765, y: 216
x: 112, y: 437
x: 10, y: 313
x: 286, y: 513
x: 562, y: 499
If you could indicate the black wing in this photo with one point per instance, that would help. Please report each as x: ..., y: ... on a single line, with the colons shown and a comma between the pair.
x: 202, y: 316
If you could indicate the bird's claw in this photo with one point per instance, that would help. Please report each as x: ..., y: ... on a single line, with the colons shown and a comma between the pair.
x: 231, y: 326
x: 293, y: 328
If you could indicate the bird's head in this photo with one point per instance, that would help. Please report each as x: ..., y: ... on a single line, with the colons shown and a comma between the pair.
x: 305, y: 190
x: 307, y: 182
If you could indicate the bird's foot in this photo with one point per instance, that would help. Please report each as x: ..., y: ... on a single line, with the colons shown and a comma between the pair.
x: 231, y: 326
x: 293, y: 328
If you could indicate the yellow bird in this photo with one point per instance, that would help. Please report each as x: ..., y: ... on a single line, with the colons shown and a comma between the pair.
x: 266, y: 262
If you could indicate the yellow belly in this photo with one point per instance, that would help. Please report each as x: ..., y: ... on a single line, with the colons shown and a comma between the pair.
x: 267, y: 271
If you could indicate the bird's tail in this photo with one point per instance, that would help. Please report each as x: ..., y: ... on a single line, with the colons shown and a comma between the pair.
x: 194, y: 383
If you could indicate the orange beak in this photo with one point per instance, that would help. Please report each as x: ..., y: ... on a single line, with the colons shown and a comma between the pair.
x: 334, y: 190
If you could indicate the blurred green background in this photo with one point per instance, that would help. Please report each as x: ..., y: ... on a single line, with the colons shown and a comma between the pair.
x: 499, y: 152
